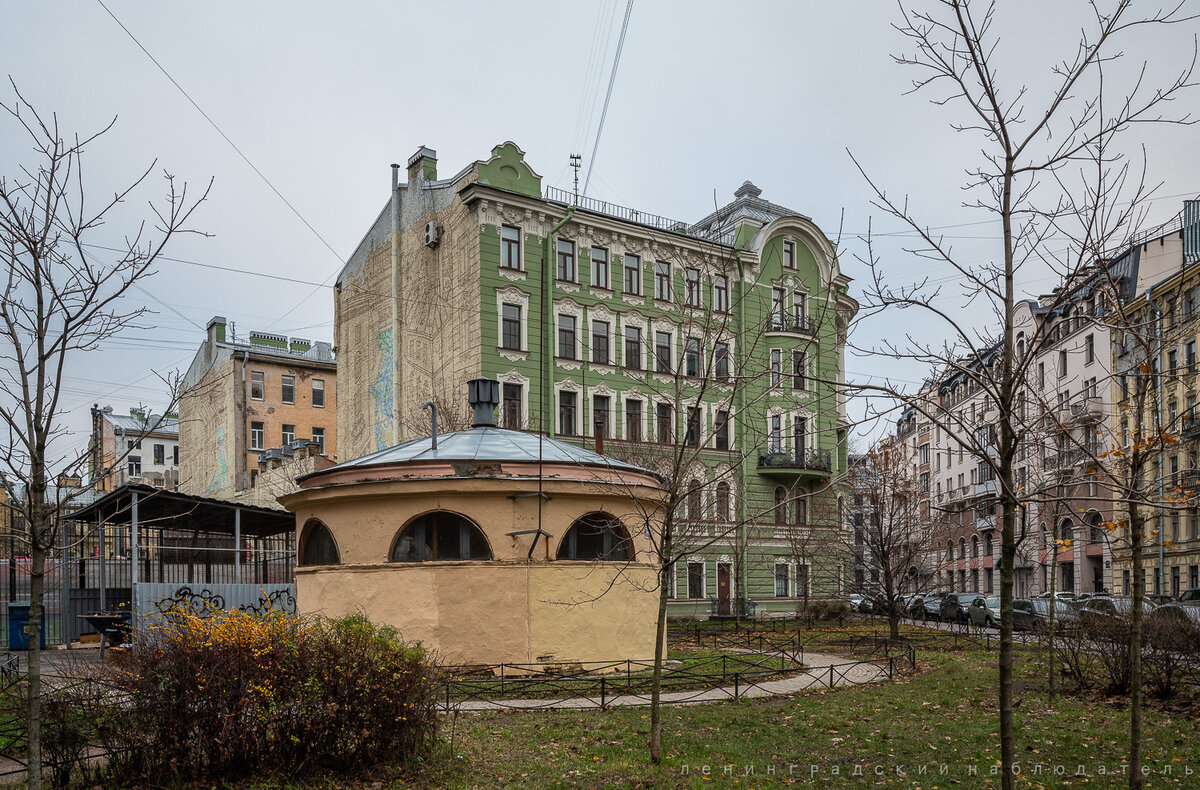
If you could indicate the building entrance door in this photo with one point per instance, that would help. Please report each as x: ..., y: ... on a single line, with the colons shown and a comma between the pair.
x: 724, y: 604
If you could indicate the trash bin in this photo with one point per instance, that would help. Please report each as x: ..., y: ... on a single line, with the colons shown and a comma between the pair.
x: 18, y: 622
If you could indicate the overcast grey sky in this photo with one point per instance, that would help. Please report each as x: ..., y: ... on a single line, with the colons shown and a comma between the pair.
x: 322, y: 97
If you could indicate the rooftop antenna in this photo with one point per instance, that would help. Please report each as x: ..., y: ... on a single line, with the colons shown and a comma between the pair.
x: 576, y: 163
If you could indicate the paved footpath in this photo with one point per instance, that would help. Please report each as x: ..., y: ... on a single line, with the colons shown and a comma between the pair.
x: 823, y: 671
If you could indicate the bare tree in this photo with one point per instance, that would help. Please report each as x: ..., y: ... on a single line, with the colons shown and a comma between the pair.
x: 1034, y: 176
x: 892, y: 527
x: 57, y: 302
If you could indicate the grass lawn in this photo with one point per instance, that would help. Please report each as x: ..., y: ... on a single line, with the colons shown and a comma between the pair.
x: 946, y: 714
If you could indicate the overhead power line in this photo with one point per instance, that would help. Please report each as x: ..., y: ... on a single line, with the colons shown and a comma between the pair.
x: 611, y: 81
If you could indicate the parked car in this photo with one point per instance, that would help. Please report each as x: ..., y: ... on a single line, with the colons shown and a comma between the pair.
x: 1023, y: 616
x: 985, y: 612
x: 1060, y: 594
x: 1101, y: 614
x: 931, y: 606
x: 916, y: 607
x: 1190, y: 597
x: 856, y: 601
x: 1174, y: 626
x: 955, y: 605
x: 1065, y: 616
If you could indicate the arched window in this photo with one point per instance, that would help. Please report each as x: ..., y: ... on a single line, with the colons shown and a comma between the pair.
x: 596, y: 536
x: 962, y: 548
x: 987, y: 545
x: 974, y: 545
x: 317, y: 546
x: 801, y: 511
x: 780, y: 505
x: 440, y: 536
x: 722, y: 501
x: 1021, y: 346
x: 949, y: 551
x: 1095, y: 531
x: 695, y: 505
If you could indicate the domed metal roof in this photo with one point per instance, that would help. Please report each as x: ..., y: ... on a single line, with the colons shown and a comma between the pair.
x: 485, y: 444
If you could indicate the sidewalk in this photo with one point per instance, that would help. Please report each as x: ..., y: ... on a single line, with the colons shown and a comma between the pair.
x: 824, y: 671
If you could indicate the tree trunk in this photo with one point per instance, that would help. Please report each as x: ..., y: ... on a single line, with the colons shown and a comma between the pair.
x: 1135, y: 649
x: 660, y: 637
x: 37, y: 589
x: 1008, y: 556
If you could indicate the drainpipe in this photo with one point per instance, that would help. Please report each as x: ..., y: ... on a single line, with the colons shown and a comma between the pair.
x: 240, y: 450
x: 740, y: 399
x: 547, y: 369
x: 397, y: 317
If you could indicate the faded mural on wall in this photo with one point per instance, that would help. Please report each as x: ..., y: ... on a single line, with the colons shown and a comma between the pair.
x: 381, y: 391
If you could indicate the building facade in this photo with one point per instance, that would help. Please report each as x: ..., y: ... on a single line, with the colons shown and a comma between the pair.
x: 136, y: 448
x: 1164, y: 323
x: 240, y: 400
x: 605, y: 324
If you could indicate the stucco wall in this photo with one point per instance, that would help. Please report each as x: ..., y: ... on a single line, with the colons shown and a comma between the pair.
x: 513, y: 608
x: 493, y: 613
x: 209, y: 435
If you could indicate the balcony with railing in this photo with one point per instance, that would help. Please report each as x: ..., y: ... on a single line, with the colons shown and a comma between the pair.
x: 794, y: 324
x: 798, y: 462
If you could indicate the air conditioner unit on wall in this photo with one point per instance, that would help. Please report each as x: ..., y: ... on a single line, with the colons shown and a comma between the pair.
x: 431, y: 234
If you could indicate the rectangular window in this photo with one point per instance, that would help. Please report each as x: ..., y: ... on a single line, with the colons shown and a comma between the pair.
x: 160, y: 454
x: 799, y: 435
x: 510, y: 247
x: 633, y: 275
x: 691, y: 357
x: 778, y: 308
x: 1062, y: 364
x: 781, y: 577
x: 600, y: 343
x: 692, y: 436
x: 566, y: 336
x: 566, y: 413
x: 662, y: 352
x: 800, y: 311
x: 135, y: 466
x: 662, y: 281
x: 289, y: 434
x: 510, y: 335
x: 257, y: 436
x: 721, y: 361
x: 600, y: 417
x: 318, y: 393
x: 318, y: 436
x: 175, y: 455
x: 721, y: 431
x: 789, y: 255
x: 775, y: 435
x: 662, y: 423
x: 257, y: 386
x: 633, y: 348
x: 1089, y: 355
x: 799, y: 370
x: 633, y: 420
x: 566, y: 260
x: 287, y: 389
x: 1172, y: 361
x: 776, y: 367
x: 691, y: 278
x: 721, y: 293
x: 1190, y: 356
x: 511, y: 406
x: 695, y: 572
x: 599, y: 267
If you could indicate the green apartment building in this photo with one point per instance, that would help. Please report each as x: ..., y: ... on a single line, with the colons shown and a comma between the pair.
x: 711, y: 351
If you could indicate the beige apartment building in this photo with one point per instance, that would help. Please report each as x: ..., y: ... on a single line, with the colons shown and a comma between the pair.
x: 265, y: 399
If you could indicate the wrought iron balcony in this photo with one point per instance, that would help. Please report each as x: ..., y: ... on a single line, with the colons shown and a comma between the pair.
x: 797, y: 324
x: 819, y: 461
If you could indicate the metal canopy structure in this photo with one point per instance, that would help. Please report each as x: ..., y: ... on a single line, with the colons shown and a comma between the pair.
x: 138, y: 544
x: 147, y: 505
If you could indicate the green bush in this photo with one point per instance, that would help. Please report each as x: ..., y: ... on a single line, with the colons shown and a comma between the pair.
x: 223, y: 696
